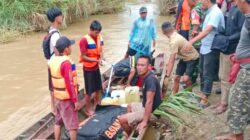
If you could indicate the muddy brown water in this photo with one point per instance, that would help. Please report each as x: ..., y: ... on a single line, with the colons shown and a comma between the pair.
x: 24, y: 96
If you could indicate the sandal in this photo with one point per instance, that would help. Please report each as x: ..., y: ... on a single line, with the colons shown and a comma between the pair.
x: 203, y: 103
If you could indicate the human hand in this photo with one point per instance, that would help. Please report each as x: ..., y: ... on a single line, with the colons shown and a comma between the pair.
x: 77, y: 106
x: 100, y: 62
x: 194, y: 34
x: 141, y: 126
x: 154, y: 43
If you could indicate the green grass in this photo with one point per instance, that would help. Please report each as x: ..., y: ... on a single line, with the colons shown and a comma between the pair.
x: 21, y: 16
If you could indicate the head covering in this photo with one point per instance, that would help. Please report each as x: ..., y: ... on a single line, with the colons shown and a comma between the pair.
x: 63, y: 42
x: 143, y: 10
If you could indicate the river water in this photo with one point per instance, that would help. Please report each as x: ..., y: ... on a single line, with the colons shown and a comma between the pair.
x: 24, y: 96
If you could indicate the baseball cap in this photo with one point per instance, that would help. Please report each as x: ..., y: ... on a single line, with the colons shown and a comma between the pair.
x: 143, y: 10
x: 63, y: 42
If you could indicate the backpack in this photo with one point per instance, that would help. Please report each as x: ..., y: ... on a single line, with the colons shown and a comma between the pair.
x: 46, y: 45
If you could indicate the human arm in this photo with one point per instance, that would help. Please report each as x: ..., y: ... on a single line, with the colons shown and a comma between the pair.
x: 83, y: 48
x: 236, y: 35
x: 170, y: 65
x: 153, y: 32
x: 54, y: 37
x: 195, y: 31
x: 66, y: 72
x: 102, y: 54
x: 131, y: 76
x: 200, y: 36
x: 132, y: 32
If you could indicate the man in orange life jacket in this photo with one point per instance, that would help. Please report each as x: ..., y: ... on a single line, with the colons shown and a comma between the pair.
x: 64, y: 80
x: 92, y: 56
x: 182, y: 23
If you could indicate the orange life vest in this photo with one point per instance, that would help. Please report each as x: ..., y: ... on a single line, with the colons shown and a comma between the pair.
x: 93, y: 51
x: 59, y: 87
x: 183, y: 18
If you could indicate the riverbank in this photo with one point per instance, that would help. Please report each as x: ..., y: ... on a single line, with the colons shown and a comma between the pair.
x: 24, y: 96
x: 21, y: 17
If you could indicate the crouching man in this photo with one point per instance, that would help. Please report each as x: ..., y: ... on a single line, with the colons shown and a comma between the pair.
x: 140, y: 113
x: 188, y: 59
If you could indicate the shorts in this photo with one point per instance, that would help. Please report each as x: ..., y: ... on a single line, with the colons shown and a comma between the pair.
x: 131, y: 52
x: 186, y: 67
x: 93, y: 81
x: 137, y: 114
x: 66, y: 114
x: 50, y: 81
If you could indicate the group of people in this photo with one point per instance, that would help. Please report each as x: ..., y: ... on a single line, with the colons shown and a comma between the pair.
x: 63, y: 83
x: 219, y: 31
x: 204, y: 36
x: 63, y: 76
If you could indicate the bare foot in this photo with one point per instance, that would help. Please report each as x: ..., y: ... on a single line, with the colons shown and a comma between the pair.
x: 214, y: 106
x: 89, y: 112
x: 227, y: 137
x: 220, y: 109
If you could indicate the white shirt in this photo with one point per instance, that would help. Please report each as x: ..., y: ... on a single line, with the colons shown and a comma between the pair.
x: 53, y: 39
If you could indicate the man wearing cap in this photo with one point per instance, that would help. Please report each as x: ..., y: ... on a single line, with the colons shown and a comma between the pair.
x: 142, y: 34
x: 64, y: 80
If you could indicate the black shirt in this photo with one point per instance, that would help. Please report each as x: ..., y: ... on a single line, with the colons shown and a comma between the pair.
x: 151, y: 83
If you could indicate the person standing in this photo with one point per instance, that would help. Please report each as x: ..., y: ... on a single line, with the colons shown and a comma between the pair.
x: 55, y: 16
x: 65, y: 89
x: 213, y: 21
x: 142, y: 34
x: 239, y: 103
x: 182, y: 23
x: 196, y: 20
x: 91, y: 55
x: 234, y: 22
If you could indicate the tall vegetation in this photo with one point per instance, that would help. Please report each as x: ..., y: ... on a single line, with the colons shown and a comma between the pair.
x: 20, y: 16
x: 164, y: 5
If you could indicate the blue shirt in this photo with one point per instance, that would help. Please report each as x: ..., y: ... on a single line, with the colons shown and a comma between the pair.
x: 215, y: 18
x: 142, y: 34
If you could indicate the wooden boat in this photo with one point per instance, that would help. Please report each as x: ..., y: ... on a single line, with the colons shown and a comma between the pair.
x: 44, y: 128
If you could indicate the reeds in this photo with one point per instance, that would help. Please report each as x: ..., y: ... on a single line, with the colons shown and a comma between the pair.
x: 164, y: 5
x: 19, y: 16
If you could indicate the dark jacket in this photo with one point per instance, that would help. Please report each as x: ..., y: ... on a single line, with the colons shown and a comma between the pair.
x: 233, y: 26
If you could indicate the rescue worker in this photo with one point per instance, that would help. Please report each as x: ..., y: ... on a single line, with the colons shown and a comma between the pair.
x: 64, y: 80
x: 142, y: 34
x: 91, y: 56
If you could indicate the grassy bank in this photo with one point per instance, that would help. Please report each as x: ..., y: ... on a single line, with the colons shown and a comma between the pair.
x: 21, y: 16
